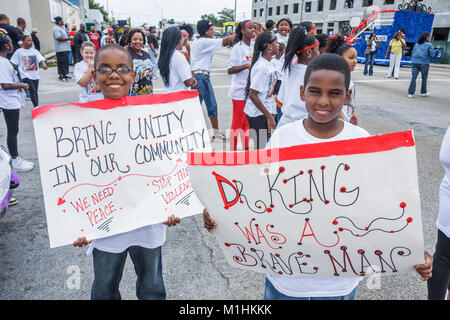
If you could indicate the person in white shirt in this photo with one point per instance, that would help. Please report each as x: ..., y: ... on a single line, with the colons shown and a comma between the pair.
x: 238, y: 66
x: 173, y: 67
x: 28, y: 60
x: 11, y: 101
x: 438, y: 285
x: 326, y: 73
x: 338, y: 45
x: 301, y: 49
x: 88, y: 88
x: 284, y: 27
x: 264, y: 73
x: 202, y: 50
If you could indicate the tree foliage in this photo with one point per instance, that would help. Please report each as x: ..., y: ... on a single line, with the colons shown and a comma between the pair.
x: 95, y: 5
x: 224, y: 15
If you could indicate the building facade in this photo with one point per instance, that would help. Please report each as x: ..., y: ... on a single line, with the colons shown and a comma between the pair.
x: 335, y: 16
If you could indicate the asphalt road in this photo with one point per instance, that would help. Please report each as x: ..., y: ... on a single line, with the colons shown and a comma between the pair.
x: 193, y: 264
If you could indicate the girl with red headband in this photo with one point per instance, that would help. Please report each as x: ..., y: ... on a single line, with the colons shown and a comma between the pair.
x: 300, y: 50
x: 238, y: 66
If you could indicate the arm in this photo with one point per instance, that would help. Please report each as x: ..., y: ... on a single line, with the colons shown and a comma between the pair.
x: 228, y: 39
x: 84, y: 80
x: 43, y: 65
x: 14, y: 86
x: 152, y: 47
x: 190, y: 82
x: 387, y: 52
x: 237, y: 69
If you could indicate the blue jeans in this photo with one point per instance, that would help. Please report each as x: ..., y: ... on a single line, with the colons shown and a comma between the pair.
x: 423, y: 69
x: 270, y: 293
x: 206, y: 91
x: 154, y: 59
x: 370, y: 59
x: 108, y: 269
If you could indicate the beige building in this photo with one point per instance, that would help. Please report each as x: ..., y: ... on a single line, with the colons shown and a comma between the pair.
x: 39, y: 14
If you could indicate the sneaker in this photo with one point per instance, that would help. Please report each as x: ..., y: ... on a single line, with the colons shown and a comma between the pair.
x: 425, y: 94
x: 67, y: 77
x: 410, y: 95
x: 20, y: 164
x: 387, y: 76
x: 13, y: 201
x: 219, y: 136
x: 396, y: 77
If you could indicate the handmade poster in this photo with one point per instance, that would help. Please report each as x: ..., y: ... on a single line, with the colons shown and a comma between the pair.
x: 112, y: 166
x: 336, y: 209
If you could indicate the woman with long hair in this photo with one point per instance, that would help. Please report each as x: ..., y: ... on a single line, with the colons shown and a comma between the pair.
x: 300, y: 50
x: 264, y: 73
x: 142, y: 64
x: 238, y: 67
x: 422, y: 54
x: 371, y: 51
x: 396, y: 47
x: 175, y: 71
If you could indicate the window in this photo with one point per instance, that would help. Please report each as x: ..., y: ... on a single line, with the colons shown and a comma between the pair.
x: 367, y: 3
x: 308, y: 6
x: 270, y: 11
x: 386, y: 2
x: 319, y: 27
x: 255, y: 12
x: 286, y: 9
x: 295, y: 8
x: 278, y: 10
x: 261, y: 11
x: 440, y: 34
x: 348, y: 4
x: 320, y: 5
x: 330, y: 29
x: 332, y: 4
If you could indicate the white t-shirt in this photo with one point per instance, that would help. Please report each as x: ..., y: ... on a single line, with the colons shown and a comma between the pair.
x: 443, y: 221
x: 9, y: 99
x: 263, y: 77
x: 149, y: 237
x: 241, y: 54
x: 293, y: 108
x: 92, y: 91
x: 283, y: 39
x: 28, y: 61
x: 347, y: 110
x: 293, y: 134
x: 180, y: 71
x: 202, y: 52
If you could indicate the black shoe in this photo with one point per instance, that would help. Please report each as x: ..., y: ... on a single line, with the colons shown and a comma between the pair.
x: 67, y: 77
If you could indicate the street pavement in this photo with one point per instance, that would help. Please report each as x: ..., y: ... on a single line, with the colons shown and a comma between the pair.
x: 194, y: 266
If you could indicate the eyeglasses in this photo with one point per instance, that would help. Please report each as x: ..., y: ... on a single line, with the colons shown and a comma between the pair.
x: 108, y: 71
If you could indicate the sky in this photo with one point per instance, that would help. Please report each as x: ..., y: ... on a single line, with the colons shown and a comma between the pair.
x: 151, y: 11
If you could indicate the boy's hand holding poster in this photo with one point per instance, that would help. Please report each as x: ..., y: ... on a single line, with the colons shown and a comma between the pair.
x: 336, y: 209
x: 112, y: 166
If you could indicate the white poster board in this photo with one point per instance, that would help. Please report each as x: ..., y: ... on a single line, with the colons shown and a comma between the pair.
x: 112, y: 166
x: 335, y: 209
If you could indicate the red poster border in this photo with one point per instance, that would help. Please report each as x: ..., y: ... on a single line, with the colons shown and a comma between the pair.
x: 107, y: 104
x: 371, y: 144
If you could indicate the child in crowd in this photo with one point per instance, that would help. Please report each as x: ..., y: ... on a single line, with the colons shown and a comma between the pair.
x: 284, y: 27
x: 11, y: 100
x: 301, y: 49
x: 323, y: 39
x: 113, y: 71
x: 88, y: 89
x: 142, y: 64
x: 326, y: 73
x: 202, y: 50
x: 187, y: 31
x: 338, y: 45
x: 238, y: 66
x: 264, y: 73
x: 173, y: 67
x: 28, y: 60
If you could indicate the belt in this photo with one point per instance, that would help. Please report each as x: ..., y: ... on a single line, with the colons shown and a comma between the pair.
x: 200, y: 72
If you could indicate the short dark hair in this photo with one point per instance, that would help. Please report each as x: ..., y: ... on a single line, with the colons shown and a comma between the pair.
x: 287, y: 20
x: 423, y: 37
x: 329, y: 61
x: 112, y: 46
x: 269, y: 24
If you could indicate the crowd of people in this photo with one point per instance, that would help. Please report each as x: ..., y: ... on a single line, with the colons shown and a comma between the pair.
x: 289, y: 86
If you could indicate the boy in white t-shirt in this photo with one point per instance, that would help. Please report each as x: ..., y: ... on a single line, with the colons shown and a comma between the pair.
x: 324, y: 92
x: 28, y: 60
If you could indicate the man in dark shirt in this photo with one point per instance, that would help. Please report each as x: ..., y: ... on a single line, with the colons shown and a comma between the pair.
x: 153, y: 52
x: 14, y: 33
x: 36, y: 41
x: 78, y: 39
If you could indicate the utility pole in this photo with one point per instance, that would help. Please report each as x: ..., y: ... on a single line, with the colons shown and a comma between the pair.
x: 235, y: 10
